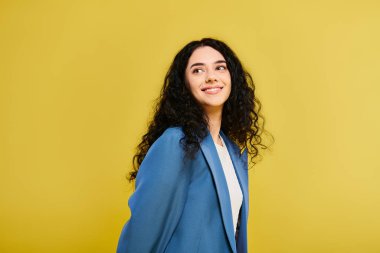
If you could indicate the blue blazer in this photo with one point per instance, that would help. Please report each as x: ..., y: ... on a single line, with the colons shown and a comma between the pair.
x: 182, y: 205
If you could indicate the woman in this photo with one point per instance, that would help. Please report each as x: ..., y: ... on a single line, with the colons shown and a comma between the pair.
x: 191, y: 192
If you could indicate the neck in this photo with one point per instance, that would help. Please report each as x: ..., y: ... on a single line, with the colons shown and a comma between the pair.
x: 214, y: 124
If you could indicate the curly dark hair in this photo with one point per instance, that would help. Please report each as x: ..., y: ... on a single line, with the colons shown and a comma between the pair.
x: 176, y: 106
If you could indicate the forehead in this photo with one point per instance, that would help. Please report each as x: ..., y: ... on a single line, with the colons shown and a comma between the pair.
x: 205, y: 54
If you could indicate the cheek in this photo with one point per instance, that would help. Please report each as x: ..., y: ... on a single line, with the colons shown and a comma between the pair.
x: 228, y: 91
x: 228, y: 77
x: 190, y: 86
x: 192, y: 83
x: 229, y: 86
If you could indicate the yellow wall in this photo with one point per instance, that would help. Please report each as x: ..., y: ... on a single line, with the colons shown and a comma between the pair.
x: 77, y: 83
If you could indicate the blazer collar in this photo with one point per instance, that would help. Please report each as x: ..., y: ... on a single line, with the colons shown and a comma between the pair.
x: 212, y: 157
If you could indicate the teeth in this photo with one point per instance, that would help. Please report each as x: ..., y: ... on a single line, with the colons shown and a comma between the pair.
x: 213, y: 89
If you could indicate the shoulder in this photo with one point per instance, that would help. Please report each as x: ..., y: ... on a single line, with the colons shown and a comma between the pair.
x: 168, y: 143
x: 164, y: 160
x: 171, y: 133
x: 170, y: 136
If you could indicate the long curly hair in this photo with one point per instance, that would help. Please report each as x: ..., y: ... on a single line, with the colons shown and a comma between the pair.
x: 176, y: 106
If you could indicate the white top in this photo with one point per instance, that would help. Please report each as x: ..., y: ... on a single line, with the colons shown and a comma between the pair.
x: 236, y: 195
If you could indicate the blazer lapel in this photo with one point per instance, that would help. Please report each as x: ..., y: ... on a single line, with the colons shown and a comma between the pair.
x: 241, y: 172
x: 211, y: 154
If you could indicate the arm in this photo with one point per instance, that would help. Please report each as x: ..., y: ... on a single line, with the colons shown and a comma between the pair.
x: 159, y: 198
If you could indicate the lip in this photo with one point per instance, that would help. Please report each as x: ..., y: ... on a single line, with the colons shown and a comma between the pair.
x: 212, y: 89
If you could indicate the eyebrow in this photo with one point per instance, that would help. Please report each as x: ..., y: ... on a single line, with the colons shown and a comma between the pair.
x: 202, y: 64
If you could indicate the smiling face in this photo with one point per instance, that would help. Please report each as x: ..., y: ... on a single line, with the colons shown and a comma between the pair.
x: 208, y: 78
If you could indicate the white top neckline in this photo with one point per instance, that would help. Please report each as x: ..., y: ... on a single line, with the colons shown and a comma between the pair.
x: 236, y: 195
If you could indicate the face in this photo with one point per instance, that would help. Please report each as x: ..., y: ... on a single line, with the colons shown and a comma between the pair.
x: 208, y: 78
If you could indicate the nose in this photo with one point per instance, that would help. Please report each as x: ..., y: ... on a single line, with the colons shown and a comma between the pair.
x: 211, y: 77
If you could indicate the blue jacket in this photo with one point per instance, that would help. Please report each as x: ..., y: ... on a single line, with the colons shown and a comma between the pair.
x: 182, y: 205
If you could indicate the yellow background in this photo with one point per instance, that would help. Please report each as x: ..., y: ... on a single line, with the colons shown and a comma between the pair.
x: 78, y: 81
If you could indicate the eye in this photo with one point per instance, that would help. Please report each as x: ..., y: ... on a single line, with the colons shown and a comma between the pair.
x: 197, y: 70
x: 221, y: 67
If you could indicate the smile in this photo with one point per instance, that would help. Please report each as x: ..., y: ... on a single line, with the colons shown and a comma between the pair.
x: 214, y: 90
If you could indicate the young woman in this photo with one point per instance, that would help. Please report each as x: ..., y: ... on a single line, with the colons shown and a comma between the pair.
x: 191, y: 168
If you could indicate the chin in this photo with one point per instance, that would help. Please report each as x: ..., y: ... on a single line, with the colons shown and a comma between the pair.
x: 213, y: 105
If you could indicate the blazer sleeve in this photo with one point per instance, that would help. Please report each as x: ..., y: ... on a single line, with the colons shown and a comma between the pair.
x: 159, y: 198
